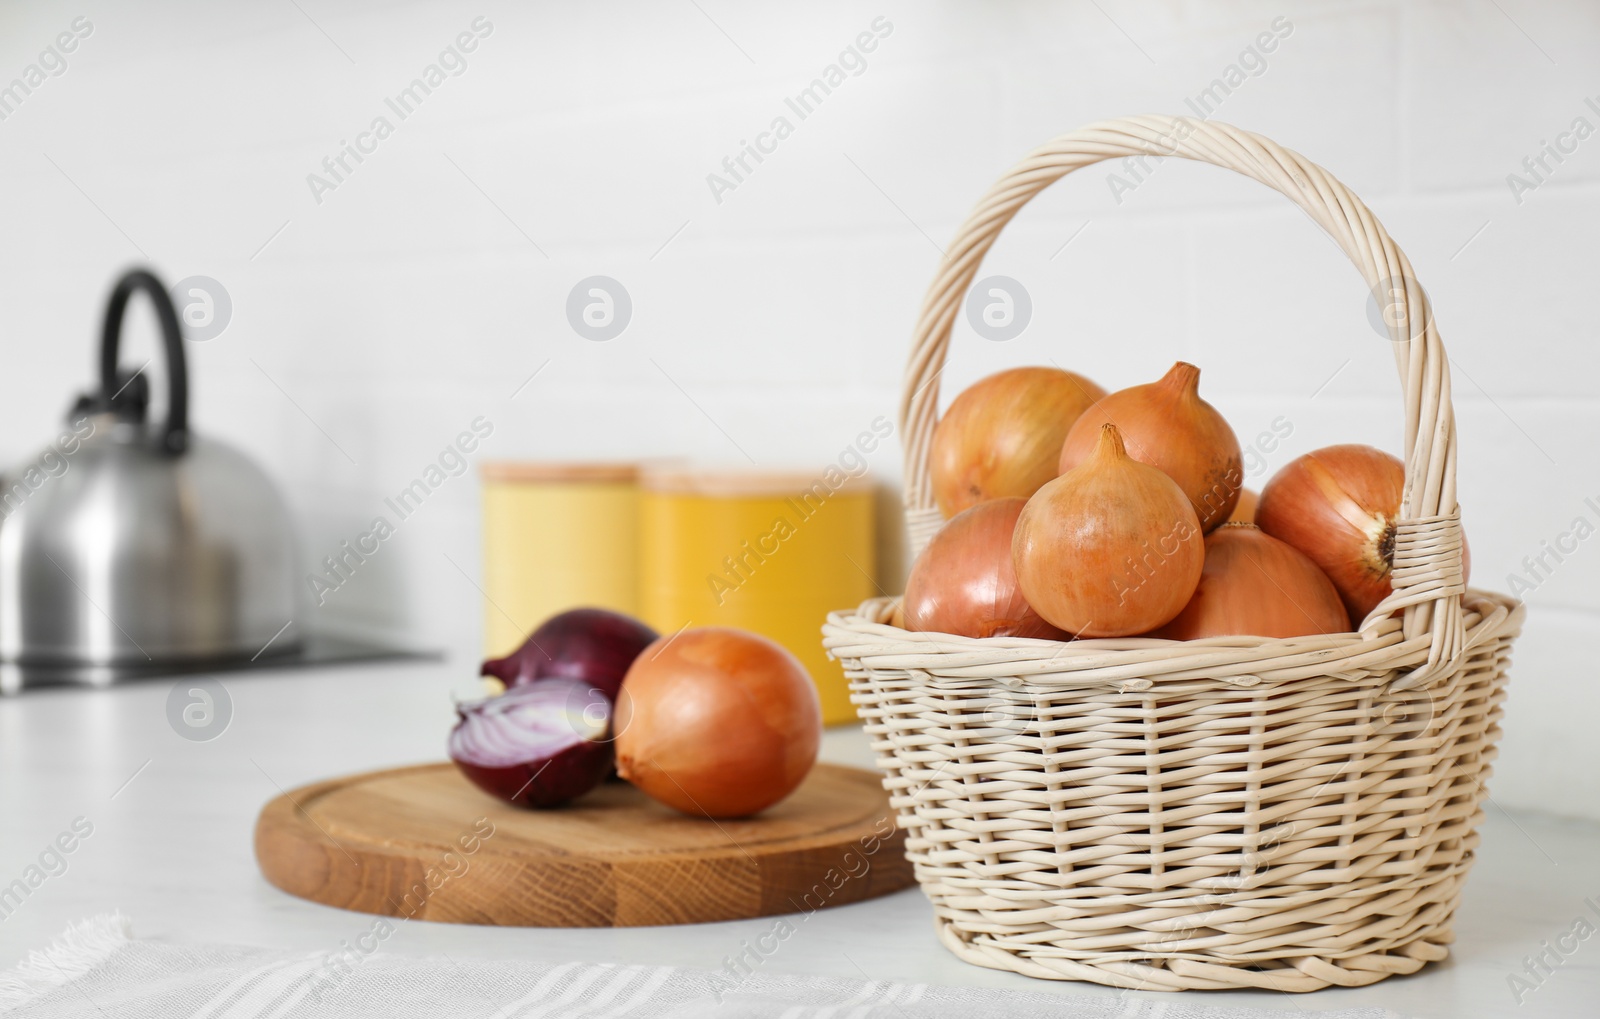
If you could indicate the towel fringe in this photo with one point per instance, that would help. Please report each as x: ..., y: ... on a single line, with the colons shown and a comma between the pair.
x: 81, y: 947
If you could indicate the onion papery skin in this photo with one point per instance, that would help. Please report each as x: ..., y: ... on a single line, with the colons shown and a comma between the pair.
x: 1167, y: 425
x: 539, y: 745
x: 717, y: 722
x: 1340, y: 506
x: 1002, y: 435
x: 1112, y: 548
x: 1254, y: 585
x: 588, y: 644
x: 965, y: 583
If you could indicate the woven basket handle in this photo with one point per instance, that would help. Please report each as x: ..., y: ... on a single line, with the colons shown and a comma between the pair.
x: 1428, y: 554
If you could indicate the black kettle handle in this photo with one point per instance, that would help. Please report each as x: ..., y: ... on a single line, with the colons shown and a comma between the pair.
x: 175, y: 438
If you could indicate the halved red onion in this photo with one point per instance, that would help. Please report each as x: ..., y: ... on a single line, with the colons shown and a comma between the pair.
x: 538, y: 745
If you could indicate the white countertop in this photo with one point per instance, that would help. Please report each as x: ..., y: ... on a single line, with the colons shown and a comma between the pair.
x: 172, y: 850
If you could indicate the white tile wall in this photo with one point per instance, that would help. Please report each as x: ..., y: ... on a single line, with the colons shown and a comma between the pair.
x: 409, y: 301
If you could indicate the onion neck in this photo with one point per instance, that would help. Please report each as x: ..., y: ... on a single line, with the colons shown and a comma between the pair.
x: 1182, y: 381
x: 1110, y: 446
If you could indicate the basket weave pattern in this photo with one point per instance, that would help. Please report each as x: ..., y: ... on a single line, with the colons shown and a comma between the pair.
x: 1222, y: 813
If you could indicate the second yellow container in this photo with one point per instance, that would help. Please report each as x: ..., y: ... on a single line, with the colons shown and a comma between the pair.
x: 768, y: 552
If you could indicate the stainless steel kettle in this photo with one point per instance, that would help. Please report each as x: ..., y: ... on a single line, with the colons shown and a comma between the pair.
x: 127, y: 543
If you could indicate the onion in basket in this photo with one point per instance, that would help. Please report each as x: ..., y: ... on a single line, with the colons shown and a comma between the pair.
x: 1245, y: 511
x: 1112, y: 548
x: 1257, y: 586
x: 1001, y: 437
x: 1340, y: 506
x: 1165, y: 424
x: 964, y: 582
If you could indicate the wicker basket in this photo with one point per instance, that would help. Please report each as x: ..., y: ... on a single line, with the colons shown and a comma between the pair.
x: 1222, y: 813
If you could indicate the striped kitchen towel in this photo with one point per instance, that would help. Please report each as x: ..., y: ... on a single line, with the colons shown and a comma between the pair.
x: 97, y: 969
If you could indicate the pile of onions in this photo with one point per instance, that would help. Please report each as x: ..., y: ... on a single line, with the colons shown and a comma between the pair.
x: 1339, y: 505
x: 964, y: 581
x: 1167, y: 425
x: 1002, y: 436
x: 717, y: 722
x: 537, y: 745
x: 1112, y: 548
x: 1255, y: 585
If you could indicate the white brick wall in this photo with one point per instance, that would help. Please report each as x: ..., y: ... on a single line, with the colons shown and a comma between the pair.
x: 406, y: 303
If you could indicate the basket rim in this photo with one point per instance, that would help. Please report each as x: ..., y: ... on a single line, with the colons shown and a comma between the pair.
x: 1139, y: 663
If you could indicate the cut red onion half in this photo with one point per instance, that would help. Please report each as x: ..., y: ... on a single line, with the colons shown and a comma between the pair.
x: 538, y: 745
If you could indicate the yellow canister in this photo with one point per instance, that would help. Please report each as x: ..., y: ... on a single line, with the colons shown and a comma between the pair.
x: 769, y: 552
x: 556, y: 536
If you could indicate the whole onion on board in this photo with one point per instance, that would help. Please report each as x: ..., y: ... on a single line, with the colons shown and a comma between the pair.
x: 1166, y: 424
x: 1254, y: 585
x: 1002, y: 435
x: 1112, y: 548
x: 717, y: 722
x: 965, y: 583
x: 538, y: 745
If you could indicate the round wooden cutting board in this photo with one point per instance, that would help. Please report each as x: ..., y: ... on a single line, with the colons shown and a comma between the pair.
x: 424, y: 843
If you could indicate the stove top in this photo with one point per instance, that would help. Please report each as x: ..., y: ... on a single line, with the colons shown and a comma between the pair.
x: 316, y: 650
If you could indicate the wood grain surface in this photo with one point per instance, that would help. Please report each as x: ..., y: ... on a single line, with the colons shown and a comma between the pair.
x: 424, y: 843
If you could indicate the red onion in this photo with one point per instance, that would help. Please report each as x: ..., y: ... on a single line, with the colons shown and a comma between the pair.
x: 538, y: 745
x: 592, y: 645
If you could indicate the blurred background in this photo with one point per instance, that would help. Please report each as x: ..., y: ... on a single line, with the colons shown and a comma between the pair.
x: 362, y: 316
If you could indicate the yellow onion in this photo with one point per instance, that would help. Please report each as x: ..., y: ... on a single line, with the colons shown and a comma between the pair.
x: 717, y: 722
x: 1112, y: 548
x: 1254, y: 585
x: 1165, y: 424
x: 1244, y: 512
x: 964, y: 581
x: 1002, y: 435
x: 1340, y: 506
